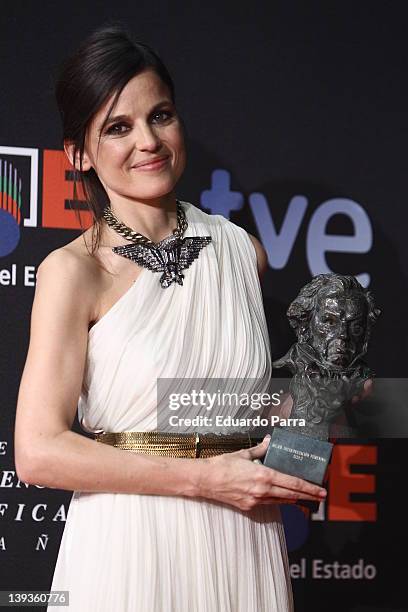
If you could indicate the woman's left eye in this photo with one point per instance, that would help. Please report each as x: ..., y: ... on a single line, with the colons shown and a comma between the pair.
x: 165, y: 115
x: 114, y: 128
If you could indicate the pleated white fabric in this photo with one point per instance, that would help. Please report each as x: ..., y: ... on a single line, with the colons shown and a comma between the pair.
x: 152, y: 553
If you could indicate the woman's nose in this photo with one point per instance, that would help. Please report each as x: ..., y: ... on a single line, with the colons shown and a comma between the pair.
x: 146, y: 138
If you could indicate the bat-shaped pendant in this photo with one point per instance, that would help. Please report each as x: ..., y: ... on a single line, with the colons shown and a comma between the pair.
x: 169, y: 256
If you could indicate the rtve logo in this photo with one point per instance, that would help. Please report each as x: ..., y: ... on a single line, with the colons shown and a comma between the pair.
x: 19, y: 201
x: 279, y: 244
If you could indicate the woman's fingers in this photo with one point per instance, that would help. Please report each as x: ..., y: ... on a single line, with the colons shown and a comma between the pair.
x: 239, y: 482
x: 286, y: 406
x: 368, y: 388
x: 296, y: 485
x: 279, y: 500
x: 258, y: 451
x: 276, y: 478
x: 366, y: 392
x: 283, y: 493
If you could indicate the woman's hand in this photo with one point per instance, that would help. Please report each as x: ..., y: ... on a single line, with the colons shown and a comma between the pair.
x: 366, y: 392
x: 286, y: 404
x: 235, y: 479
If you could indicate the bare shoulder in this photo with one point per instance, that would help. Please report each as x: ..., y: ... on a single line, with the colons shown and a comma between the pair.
x: 73, y: 267
x: 261, y: 255
x: 70, y: 260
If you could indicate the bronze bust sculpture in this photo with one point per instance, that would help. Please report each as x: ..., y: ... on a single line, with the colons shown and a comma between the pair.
x: 332, y: 317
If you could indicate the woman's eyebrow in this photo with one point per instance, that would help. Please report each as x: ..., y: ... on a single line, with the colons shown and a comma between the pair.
x: 127, y: 117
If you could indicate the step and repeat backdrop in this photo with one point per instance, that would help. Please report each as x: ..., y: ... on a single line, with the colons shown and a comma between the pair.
x: 296, y: 118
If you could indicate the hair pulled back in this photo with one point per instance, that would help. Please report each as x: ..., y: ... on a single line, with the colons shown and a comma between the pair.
x: 101, y: 67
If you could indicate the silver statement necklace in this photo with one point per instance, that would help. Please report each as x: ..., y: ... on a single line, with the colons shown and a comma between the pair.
x: 169, y: 256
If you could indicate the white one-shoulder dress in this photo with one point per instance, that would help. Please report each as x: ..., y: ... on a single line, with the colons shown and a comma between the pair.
x: 152, y: 553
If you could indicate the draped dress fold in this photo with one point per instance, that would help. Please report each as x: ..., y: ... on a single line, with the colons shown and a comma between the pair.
x: 152, y: 553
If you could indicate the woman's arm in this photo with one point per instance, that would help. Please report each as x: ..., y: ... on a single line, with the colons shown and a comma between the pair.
x: 47, y: 452
x: 73, y: 462
x: 261, y: 256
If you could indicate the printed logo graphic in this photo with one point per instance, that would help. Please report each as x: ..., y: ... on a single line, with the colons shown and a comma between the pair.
x: 18, y: 194
x: 279, y: 242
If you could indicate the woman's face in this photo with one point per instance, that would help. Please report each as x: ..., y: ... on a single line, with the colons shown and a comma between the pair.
x: 143, y: 125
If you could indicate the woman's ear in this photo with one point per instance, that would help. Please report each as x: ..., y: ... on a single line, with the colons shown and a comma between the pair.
x: 69, y: 151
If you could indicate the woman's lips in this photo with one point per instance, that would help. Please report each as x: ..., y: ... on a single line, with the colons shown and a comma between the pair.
x: 152, y: 166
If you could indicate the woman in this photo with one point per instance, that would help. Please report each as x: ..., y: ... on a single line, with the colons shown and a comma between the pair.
x: 149, y: 530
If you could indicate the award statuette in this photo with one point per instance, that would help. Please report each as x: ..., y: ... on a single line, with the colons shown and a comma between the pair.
x: 332, y: 317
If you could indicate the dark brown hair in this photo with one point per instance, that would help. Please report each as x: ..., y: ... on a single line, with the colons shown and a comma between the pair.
x: 101, y: 66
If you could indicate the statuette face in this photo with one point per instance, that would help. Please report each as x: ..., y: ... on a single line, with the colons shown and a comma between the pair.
x: 338, y: 326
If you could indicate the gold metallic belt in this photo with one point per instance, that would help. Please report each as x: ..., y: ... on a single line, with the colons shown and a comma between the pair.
x: 189, y: 445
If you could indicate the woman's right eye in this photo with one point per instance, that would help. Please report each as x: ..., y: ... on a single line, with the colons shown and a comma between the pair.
x: 115, y: 128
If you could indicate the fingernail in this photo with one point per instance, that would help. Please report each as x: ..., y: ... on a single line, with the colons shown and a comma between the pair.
x: 323, y: 493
